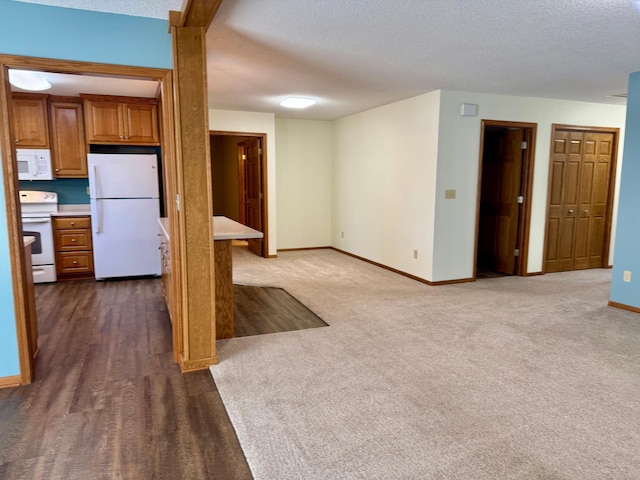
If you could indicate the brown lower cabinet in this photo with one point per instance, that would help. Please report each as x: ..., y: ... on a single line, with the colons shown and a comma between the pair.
x: 165, y: 255
x: 30, y: 304
x: 74, y: 249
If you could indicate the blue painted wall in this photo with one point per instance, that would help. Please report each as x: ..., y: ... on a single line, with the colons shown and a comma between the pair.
x: 64, y: 33
x: 71, y: 191
x: 67, y: 34
x: 9, y: 360
x: 627, y: 248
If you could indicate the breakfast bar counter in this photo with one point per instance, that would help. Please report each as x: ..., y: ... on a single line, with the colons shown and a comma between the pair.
x: 225, y: 231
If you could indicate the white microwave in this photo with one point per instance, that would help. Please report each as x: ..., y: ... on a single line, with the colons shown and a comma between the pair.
x: 34, y: 164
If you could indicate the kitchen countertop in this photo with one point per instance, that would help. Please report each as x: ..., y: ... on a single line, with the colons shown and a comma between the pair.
x: 72, y: 210
x: 223, y: 229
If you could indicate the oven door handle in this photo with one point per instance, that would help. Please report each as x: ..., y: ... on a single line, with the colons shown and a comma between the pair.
x: 36, y: 220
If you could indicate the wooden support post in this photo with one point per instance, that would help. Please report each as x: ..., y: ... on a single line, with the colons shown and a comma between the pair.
x: 195, y: 212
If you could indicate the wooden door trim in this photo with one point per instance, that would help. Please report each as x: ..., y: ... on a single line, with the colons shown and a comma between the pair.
x: 524, y: 228
x: 10, y: 178
x: 242, y: 194
x: 606, y: 247
x: 264, y: 210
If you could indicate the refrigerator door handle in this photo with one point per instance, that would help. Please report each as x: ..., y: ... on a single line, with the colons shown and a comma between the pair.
x: 94, y: 182
x: 96, y: 216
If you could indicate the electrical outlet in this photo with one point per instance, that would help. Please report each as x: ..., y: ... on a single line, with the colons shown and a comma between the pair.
x: 415, y: 254
x: 626, y: 276
x: 449, y: 194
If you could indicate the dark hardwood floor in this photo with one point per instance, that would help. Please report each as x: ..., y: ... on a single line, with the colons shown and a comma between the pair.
x: 260, y: 310
x: 108, y: 402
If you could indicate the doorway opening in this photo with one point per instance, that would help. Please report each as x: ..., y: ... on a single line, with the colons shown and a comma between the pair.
x: 580, y: 202
x: 239, y: 181
x: 504, y: 198
x: 19, y: 269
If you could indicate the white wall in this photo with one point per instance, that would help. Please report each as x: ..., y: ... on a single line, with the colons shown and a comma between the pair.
x: 390, y: 167
x: 254, y: 122
x: 384, y: 179
x: 458, y: 161
x: 304, y: 151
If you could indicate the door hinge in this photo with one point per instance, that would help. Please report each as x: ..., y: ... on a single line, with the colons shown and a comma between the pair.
x: 177, y: 201
x: 520, y: 199
x: 516, y: 252
x: 523, y: 145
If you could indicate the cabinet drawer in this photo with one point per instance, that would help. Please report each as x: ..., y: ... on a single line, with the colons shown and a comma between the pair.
x: 70, y: 240
x: 74, y: 262
x: 65, y: 223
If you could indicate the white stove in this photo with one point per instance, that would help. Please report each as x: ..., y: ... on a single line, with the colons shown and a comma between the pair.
x: 37, y: 208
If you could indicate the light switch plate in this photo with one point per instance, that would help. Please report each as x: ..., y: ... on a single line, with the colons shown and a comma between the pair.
x: 449, y: 194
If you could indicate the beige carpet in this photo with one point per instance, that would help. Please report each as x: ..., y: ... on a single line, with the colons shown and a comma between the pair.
x: 504, y: 378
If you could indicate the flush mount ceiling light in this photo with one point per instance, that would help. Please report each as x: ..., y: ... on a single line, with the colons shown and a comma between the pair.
x: 297, y: 102
x: 27, y: 80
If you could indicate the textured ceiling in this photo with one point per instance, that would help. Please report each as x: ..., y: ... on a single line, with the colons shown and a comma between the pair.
x: 357, y: 54
x: 72, y: 85
x: 352, y: 55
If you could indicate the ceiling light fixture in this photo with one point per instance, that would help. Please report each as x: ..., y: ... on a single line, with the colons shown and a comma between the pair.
x: 297, y: 102
x: 27, y: 80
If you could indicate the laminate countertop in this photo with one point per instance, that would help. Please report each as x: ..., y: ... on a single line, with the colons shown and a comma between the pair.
x: 72, y: 211
x: 223, y: 229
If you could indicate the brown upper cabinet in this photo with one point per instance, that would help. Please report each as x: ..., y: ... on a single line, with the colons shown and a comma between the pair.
x: 29, y: 115
x: 118, y: 120
x: 69, y: 152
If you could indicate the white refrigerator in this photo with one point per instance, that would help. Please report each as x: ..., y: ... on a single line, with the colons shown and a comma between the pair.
x: 125, y: 207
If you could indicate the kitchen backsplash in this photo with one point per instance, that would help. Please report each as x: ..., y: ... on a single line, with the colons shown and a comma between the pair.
x: 71, y: 191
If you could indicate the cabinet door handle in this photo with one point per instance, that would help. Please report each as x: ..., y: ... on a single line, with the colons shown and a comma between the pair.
x: 586, y: 210
x: 570, y: 211
x: 73, y: 240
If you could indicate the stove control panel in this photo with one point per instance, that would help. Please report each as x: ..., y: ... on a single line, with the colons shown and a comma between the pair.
x: 35, y: 196
x: 34, y: 202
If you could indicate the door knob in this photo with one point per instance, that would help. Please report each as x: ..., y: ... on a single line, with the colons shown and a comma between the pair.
x: 570, y: 211
x: 586, y: 210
